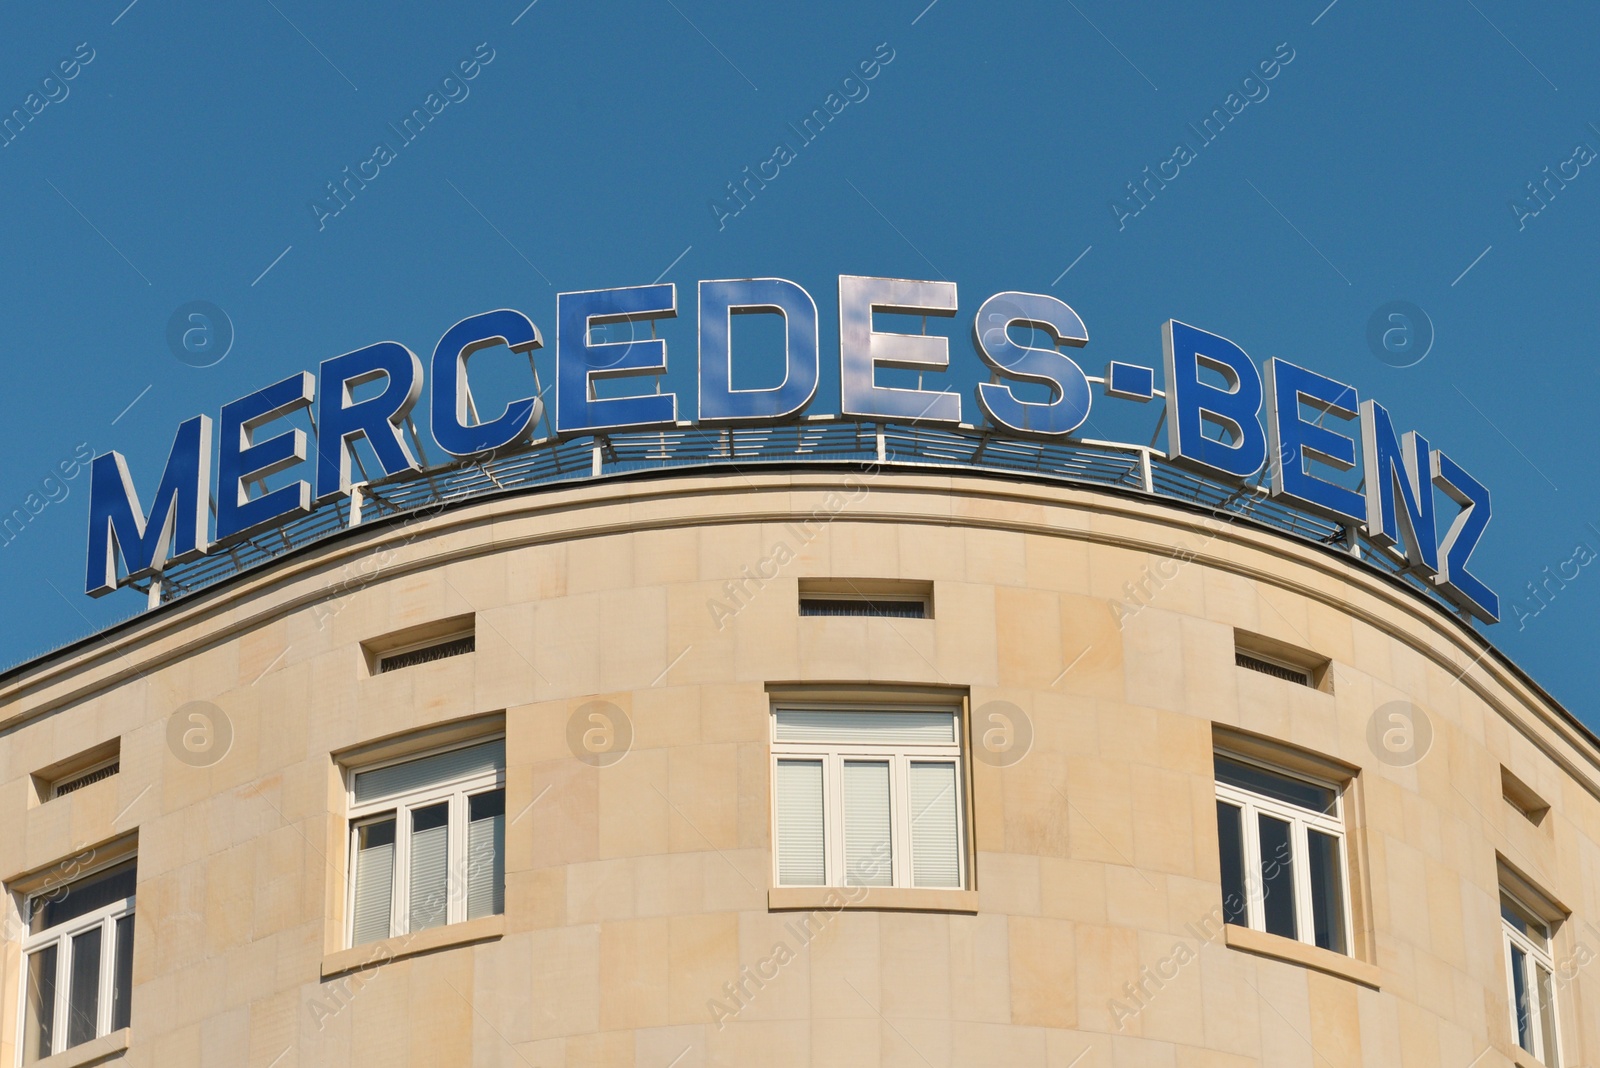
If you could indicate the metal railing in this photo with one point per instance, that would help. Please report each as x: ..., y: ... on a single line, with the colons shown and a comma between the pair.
x: 816, y: 442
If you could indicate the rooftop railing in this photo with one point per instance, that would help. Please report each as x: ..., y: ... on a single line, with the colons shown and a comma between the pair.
x: 818, y: 442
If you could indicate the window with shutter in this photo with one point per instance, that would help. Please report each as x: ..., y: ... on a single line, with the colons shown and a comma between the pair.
x: 486, y: 854
x: 427, y: 841
x: 1282, y: 843
x: 868, y: 797
x: 935, y: 827
x: 868, y: 849
x: 77, y: 972
x: 799, y: 812
x: 374, y: 879
x: 1531, y: 969
x: 430, y: 862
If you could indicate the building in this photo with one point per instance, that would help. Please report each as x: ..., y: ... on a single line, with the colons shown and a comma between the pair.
x: 812, y: 762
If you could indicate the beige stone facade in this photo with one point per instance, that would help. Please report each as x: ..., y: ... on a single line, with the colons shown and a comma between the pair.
x: 639, y: 891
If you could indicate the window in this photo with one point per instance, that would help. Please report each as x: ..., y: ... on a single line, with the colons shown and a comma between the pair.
x: 868, y: 798
x: 77, y: 962
x: 1282, y: 843
x: 1531, y: 971
x: 427, y: 841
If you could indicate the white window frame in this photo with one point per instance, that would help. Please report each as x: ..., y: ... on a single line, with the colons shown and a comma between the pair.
x: 900, y: 757
x: 61, y: 936
x: 1539, y: 956
x: 1300, y: 821
x: 401, y: 805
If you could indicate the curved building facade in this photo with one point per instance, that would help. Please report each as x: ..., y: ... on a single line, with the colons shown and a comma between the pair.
x: 870, y: 766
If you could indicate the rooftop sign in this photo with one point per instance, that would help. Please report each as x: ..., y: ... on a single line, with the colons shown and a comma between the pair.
x: 1225, y: 418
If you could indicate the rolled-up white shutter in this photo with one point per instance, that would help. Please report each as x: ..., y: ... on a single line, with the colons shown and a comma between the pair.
x: 868, y: 852
x: 935, y: 845
x: 881, y: 728
x: 418, y: 774
x: 799, y: 811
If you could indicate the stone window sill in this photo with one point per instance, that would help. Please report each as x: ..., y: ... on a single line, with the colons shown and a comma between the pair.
x: 92, y: 1052
x: 375, y: 954
x: 1523, y: 1059
x: 1278, y: 947
x: 871, y: 898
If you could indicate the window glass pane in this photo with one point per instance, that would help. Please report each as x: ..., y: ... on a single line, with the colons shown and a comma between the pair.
x: 1521, y: 920
x: 83, y: 1003
x: 1230, y: 842
x: 935, y: 845
x: 868, y: 855
x: 1278, y: 787
x: 374, y: 865
x: 486, y: 853
x: 40, y: 1023
x: 1519, y: 998
x: 1547, y: 1016
x: 879, y: 728
x: 430, y: 866
x: 1327, y: 891
x: 1277, y: 877
x: 430, y: 771
x: 68, y: 902
x: 122, y: 987
x: 798, y: 800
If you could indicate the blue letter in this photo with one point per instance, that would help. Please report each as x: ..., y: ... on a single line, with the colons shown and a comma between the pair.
x: 452, y: 403
x: 720, y: 301
x: 176, y: 527
x: 1399, y: 488
x: 862, y: 349
x: 1192, y: 403
x: 579, y: 364
x: 1454, y: 580
x: 1294, y: 440
x: 241, y: 458
x: 341, y: 422
x: 1069, y: 407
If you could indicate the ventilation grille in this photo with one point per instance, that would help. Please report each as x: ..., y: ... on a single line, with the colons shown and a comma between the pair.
x: 1267, y: 667
x: 862, y: 606
x: 427, y: 654
x: 78, y: 782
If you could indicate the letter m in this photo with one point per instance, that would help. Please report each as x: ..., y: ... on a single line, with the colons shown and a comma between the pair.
x: 174, y: 530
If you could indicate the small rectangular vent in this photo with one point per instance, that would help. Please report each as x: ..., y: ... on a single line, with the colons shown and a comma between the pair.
x: 893, y: 608
x: 78, y: 782
x: 1520, y: 796
x: 427, y: 654
x: 1267, y: 667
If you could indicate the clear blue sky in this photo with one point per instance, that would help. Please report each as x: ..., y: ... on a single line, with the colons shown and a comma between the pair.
x: 181, y: 162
